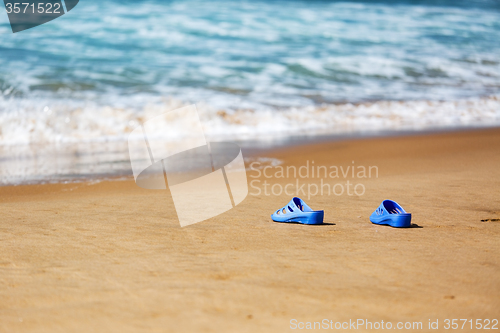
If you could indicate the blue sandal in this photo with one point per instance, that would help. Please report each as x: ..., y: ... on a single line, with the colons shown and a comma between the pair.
x: 298, y: 211
x: 391, y: 213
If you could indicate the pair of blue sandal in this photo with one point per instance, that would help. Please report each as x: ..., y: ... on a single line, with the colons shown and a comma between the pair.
x: 388, y: 213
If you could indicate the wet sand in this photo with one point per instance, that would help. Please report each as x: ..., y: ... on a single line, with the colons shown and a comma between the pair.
x: 111, y: 257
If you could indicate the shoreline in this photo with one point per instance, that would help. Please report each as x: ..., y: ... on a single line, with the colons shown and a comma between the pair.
x: 250, y: 148
x: 290, y: 141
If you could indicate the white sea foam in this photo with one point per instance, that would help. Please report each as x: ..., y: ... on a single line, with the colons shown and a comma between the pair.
x: 56, y: 142
x: 25, y: 122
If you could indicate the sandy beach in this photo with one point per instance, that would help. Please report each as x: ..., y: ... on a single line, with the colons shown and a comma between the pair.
x: 111, y: 257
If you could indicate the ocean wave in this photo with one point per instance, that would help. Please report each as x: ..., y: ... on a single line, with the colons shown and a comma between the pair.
x: 65, y: 122
x: 258, y: 54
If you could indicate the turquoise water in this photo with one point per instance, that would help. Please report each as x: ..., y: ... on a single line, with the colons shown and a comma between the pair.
x: 251, y: 54
x: 256, y: 69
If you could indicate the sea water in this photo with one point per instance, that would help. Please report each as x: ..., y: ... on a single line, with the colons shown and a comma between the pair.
x: 72, y: 89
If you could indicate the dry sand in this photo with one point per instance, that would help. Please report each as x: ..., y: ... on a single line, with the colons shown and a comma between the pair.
x: 111, y: 257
